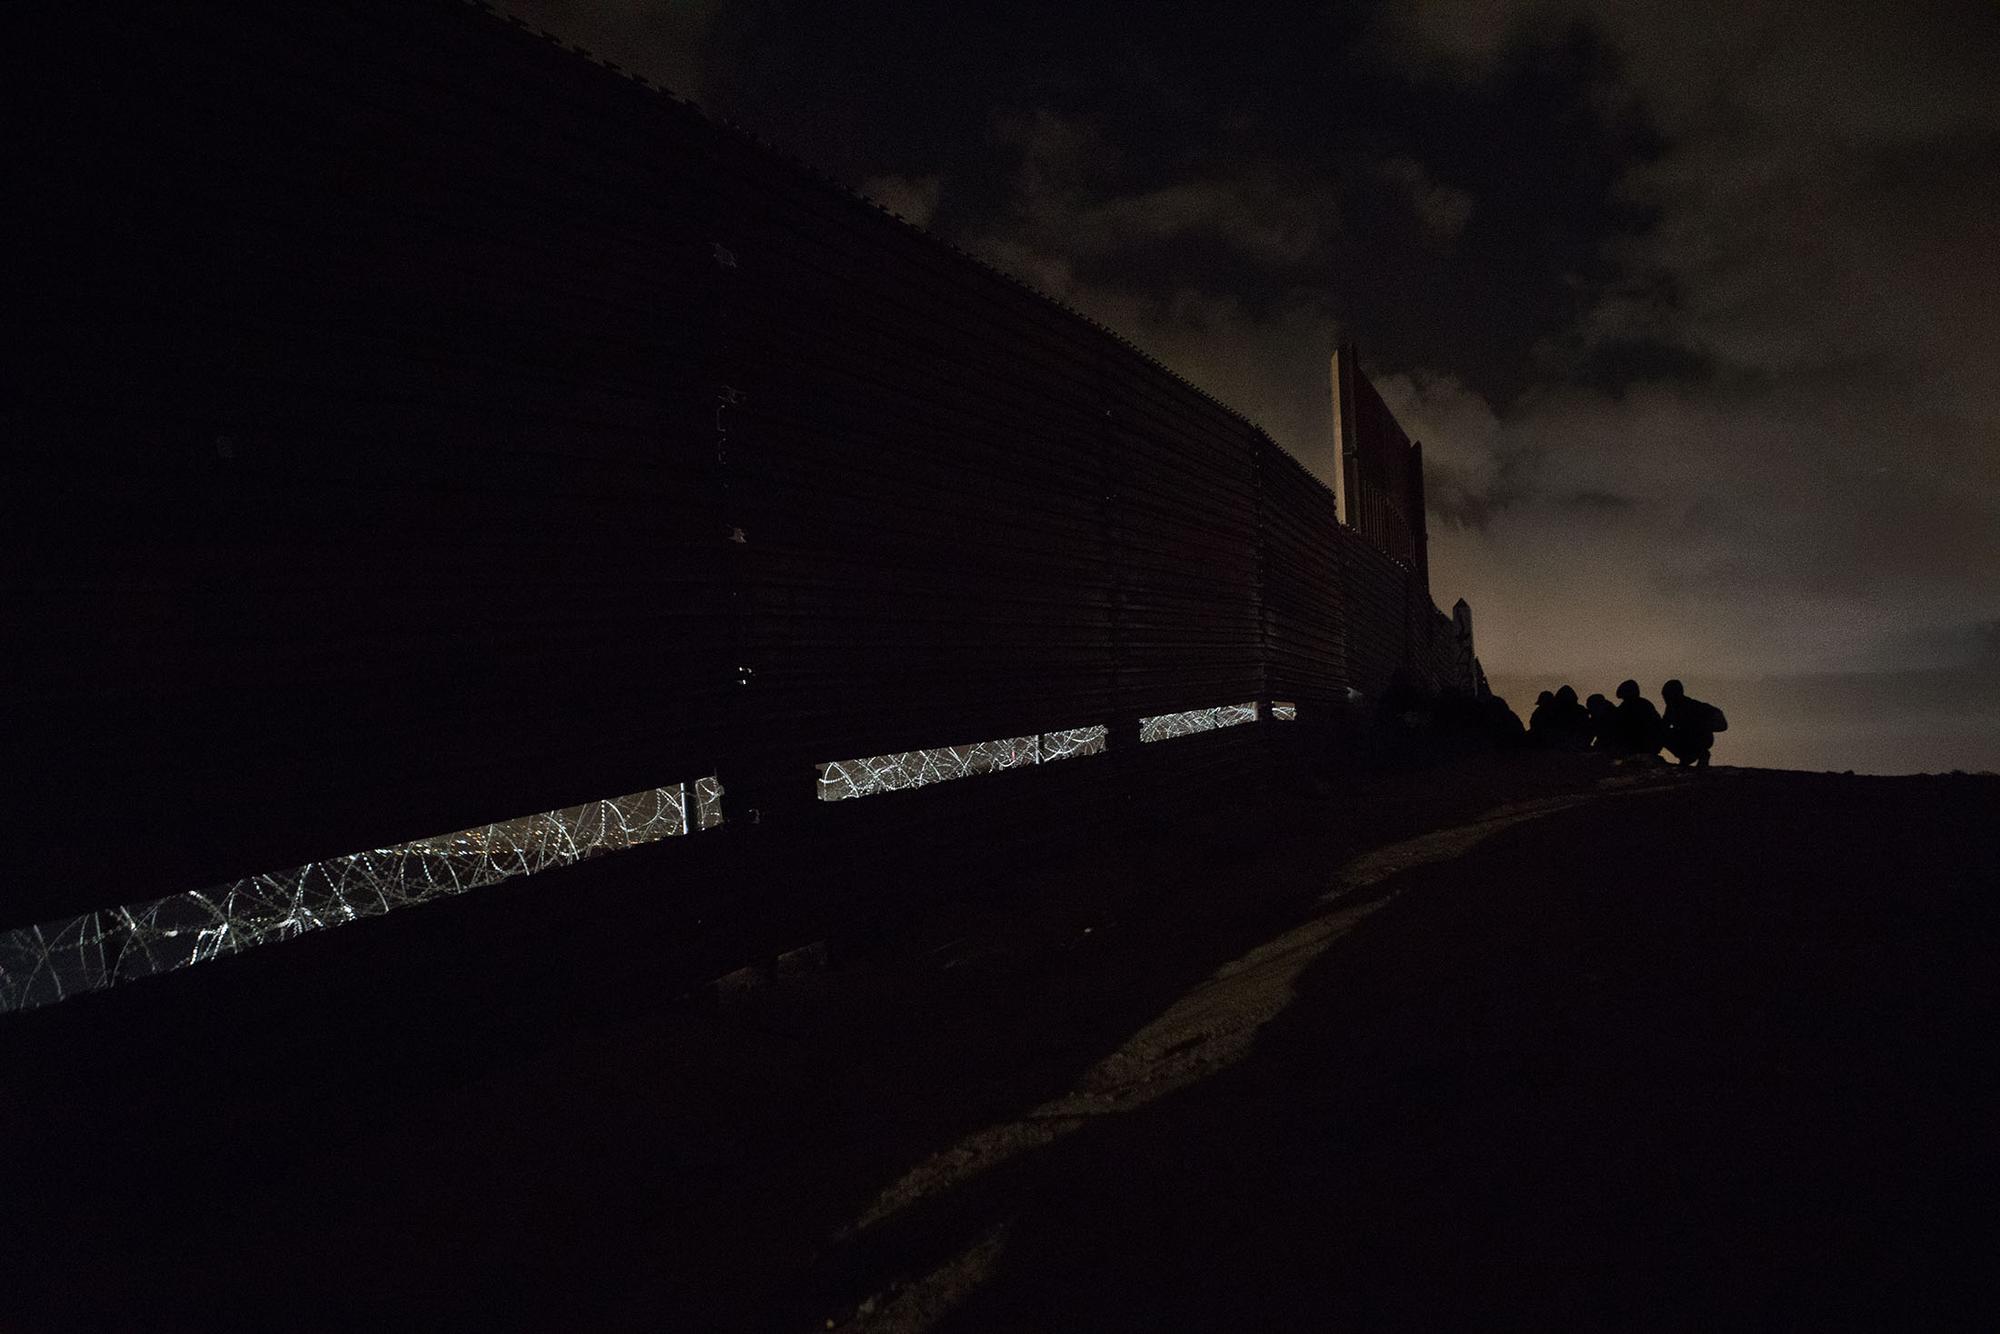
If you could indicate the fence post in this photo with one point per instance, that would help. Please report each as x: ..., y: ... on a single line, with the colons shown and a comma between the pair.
x: 758, y: 785
x: 1121, y: 741
x: 1262, y: 449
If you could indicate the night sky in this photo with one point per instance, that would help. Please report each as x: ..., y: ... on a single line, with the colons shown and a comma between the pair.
x: 1695, y: 306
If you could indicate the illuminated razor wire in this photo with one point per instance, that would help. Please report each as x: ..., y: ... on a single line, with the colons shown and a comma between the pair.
x: 1070, y: 745
x: 707, y: 802
x: 40, y: 965
x: 843, y: 780
x: 1168, y: 725
x: 1284, y: 711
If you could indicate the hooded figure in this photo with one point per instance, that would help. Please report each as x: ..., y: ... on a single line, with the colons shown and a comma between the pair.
x: 1544, y: 726
x: 1638, y: 722
x: 1572, y: 721
x: 1502, y: 724
x: 1690, y: 725
x: 1603, y: 723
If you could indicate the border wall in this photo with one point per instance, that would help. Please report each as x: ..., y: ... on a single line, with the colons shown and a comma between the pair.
x: 425, y: 425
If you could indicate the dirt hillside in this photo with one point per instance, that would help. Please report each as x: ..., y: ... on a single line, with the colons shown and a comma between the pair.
x: 1502, y: 1042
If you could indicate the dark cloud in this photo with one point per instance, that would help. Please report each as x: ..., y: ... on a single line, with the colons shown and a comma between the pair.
x: 1066, y: 197
x: 1442, y: 210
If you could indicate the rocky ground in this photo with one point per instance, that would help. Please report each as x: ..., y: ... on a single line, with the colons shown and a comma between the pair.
x: 1522, y: 1042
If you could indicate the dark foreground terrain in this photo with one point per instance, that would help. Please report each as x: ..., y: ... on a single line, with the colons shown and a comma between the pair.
x: 1519, y: 1044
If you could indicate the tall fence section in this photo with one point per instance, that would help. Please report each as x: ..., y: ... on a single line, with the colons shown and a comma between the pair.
x: 442, y: 426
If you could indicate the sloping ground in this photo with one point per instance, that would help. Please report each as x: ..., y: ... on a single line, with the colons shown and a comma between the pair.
x: 1503, y: 1042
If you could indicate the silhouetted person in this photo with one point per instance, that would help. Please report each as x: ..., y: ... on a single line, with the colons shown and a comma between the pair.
x: 1542, y: 723
x: 1603, y: 723
x: 1572, y: 721
x: 1638, y: 726
x: 1501, y: 723
x: 1690, y: 725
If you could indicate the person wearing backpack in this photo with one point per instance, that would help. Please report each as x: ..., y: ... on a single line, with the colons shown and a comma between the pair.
x: 1573, y: 727
x: 1638, y: 724
x: 1691, y: 725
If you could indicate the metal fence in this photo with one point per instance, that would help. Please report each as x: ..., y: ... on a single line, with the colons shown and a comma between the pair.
x: 442, y: 427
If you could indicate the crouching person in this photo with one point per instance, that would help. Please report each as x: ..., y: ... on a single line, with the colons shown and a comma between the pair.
x: 1637, y: 724
x: 1691, y: 725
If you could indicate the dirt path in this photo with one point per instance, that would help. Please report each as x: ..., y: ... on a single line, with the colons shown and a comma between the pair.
x: 1208, y: 1028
